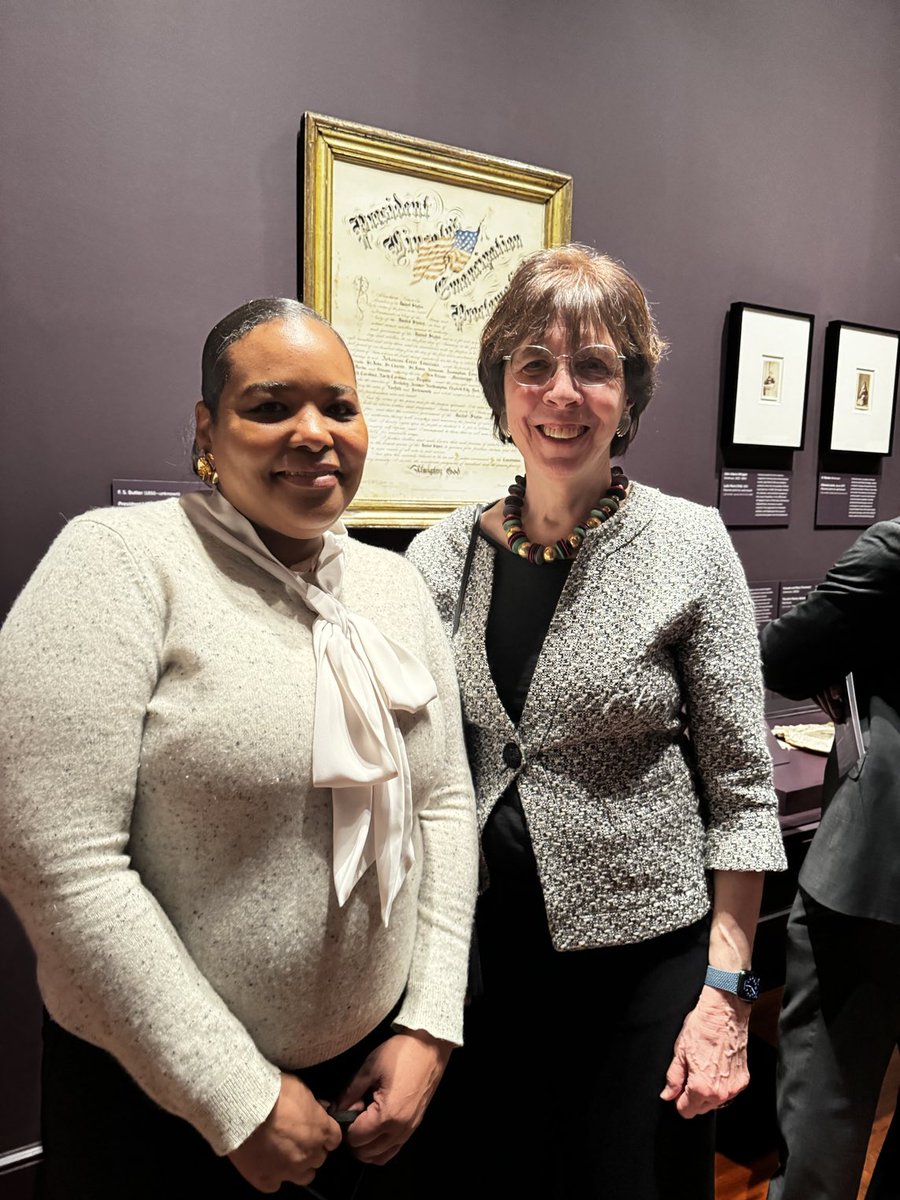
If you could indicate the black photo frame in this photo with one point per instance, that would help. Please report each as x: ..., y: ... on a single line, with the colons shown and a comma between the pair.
x: 768, y: 361
x: 859, y: 388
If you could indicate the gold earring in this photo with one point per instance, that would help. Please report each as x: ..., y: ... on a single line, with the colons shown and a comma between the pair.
x: 205, y: 468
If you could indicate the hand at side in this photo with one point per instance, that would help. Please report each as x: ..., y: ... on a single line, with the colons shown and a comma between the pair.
x: 709, y: 1067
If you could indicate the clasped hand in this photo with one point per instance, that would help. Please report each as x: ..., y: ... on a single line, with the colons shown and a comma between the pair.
x: 709, y: 1067
x: 292, y: 1142
x: 391, y: 1091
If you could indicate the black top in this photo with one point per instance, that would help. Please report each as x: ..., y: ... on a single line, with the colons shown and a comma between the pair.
x: 523, y: 601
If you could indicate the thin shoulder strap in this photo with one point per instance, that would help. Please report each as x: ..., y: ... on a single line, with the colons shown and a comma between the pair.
x: 467, y: 568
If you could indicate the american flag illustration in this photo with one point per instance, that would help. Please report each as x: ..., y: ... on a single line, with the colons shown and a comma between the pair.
x: 446, y: 253
x: 463, y: 244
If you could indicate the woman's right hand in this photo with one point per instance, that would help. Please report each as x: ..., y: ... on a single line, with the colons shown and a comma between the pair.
x: 292, y: 1142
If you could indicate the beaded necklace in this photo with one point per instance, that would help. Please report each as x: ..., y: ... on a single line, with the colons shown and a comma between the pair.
x: 566, y: 547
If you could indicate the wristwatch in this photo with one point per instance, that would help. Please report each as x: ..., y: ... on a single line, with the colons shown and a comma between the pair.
x: 743, y: 984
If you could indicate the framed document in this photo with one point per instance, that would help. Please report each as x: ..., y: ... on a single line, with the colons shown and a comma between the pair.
x: 859, y: 388
x: 407, y: 245
x: 766, y: 376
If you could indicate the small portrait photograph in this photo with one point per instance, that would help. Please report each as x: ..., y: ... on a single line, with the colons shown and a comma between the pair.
x: 771, y: 379
x: 864, y: 381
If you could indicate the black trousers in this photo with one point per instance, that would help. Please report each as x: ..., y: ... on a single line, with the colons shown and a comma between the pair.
x: 105, y: 1139
x: 556, y: 1091
x: 839, y: 1024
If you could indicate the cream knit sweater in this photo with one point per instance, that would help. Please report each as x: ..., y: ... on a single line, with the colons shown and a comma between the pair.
x: 160, y: 838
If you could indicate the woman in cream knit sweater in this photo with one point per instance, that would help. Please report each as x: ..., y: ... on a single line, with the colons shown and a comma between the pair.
x: 237, y: 819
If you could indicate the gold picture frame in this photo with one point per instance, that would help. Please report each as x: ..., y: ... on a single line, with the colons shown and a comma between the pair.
x: 406, y: 246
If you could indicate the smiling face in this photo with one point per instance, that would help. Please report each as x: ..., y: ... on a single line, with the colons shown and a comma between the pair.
x: 288, y: 439
x: 562, y: 429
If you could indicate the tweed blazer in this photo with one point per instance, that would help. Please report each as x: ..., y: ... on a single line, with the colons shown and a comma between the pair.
x: 640, y: 757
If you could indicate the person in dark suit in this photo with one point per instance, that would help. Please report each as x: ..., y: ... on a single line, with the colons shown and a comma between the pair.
x: 840, y: 1019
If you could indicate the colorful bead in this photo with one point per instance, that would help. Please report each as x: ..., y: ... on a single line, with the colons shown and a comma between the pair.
x: 566, y: 547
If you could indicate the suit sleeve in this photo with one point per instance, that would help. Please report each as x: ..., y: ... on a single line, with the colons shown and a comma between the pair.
x: 819, y: 641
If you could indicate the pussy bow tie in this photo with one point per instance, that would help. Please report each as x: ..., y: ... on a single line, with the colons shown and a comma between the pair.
x: 363, y: 677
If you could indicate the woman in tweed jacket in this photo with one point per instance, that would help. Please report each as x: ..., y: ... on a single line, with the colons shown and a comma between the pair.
x: 613, y: 706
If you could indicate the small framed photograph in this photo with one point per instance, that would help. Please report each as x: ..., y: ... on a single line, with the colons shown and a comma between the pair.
x: 859, y: 388
x: 770, y: 389
x: 766, y: 376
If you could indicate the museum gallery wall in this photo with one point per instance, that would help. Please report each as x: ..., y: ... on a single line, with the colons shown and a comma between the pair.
x: 726, y: 153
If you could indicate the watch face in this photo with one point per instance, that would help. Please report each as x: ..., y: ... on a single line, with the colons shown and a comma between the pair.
x: 748, y: 986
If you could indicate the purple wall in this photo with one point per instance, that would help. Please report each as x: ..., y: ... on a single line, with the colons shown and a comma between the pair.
x: 723, y: 149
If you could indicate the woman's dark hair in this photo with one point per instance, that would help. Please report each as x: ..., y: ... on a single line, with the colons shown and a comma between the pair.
x: 580, y: 289
x: 216, y: 361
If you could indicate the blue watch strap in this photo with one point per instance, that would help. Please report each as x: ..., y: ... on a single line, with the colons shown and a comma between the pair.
x: 743, y: 984
x: 725, y: 981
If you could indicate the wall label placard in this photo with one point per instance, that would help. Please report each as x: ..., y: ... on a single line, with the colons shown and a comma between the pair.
x: 750, y: 497
x: 764, y: 594
x: 847, y: 499
x: 793, y: 592
x: 140, y: 491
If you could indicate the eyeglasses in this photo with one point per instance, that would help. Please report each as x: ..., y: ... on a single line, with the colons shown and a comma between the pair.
x: 591, y: 366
